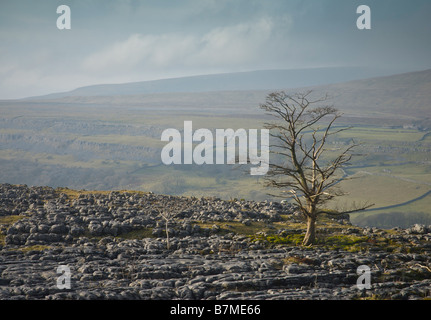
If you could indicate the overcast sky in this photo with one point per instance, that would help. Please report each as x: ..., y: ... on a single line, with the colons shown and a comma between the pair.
x: 133, y: 40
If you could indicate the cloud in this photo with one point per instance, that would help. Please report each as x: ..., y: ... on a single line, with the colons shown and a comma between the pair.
x: 246, y: 45
x: 152, y: 50
x: 233, y: 45
x: 221, y: 47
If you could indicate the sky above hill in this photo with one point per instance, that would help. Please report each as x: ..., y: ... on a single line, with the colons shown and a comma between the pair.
x: 130, y: 40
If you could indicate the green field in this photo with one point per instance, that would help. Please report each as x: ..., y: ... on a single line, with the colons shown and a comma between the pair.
x: 392, y: 171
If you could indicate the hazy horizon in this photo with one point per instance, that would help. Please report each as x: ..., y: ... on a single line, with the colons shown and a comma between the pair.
x: 130, y: 41
x: 255, y: 80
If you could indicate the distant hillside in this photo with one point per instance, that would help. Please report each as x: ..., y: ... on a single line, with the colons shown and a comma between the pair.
x: 253, y: 80
x: 402, y: 98
x: 405, y: 95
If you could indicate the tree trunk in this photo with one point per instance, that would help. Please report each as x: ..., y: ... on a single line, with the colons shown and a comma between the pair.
x: 168, y: 245
x: 310, y: 235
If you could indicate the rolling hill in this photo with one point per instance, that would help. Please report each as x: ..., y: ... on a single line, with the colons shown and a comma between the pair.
x: 401, y: 98
x: 251, y: 80
x: 403, y: 95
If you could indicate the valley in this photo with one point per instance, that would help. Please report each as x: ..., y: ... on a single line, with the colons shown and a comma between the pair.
x: 113, y: 143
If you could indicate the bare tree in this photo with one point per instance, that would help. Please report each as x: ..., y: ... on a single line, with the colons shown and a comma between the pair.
x: 307, y: 170
x: 168, y: 214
